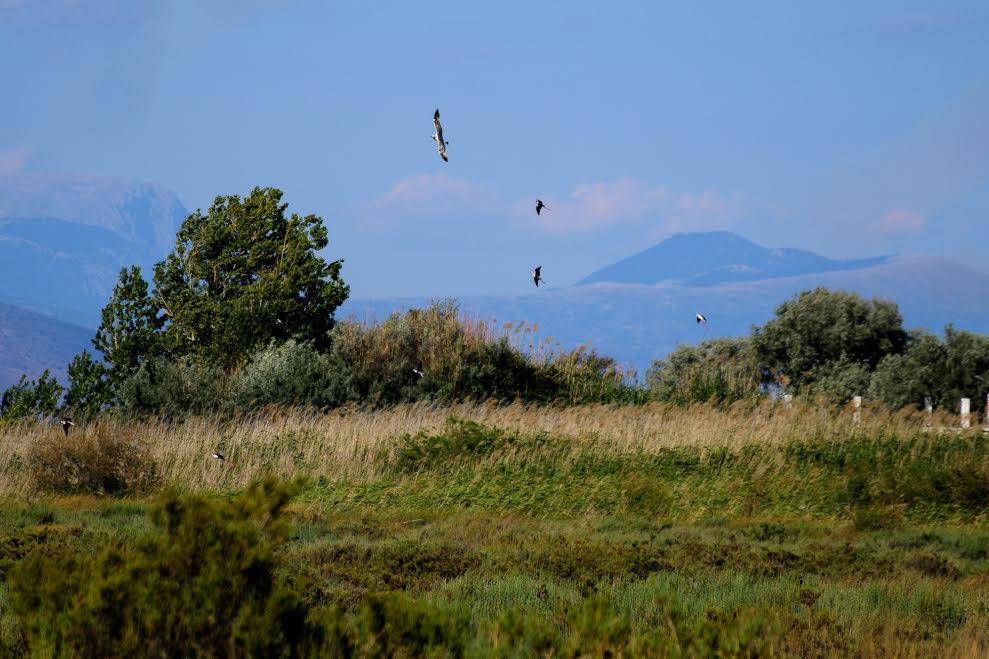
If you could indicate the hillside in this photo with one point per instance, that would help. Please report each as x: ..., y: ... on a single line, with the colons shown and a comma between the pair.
x: 63, y: 240
x: 31, y: 342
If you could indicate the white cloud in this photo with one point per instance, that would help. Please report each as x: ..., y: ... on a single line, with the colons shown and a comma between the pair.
x: 12, y: 160
x: 902, y: 221
x: 595, y: 206
x: 435, y: 194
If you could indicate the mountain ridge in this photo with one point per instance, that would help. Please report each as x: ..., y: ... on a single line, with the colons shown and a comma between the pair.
x: 715, y: 257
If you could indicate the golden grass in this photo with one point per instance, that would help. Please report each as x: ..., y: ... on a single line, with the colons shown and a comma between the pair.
x: 346, y: 443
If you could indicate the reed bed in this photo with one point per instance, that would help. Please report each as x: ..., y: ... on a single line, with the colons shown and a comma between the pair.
x: 348, y: 443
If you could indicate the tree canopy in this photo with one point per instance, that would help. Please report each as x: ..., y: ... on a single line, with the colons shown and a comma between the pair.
x: 244, y: 274
x: 819, y: 327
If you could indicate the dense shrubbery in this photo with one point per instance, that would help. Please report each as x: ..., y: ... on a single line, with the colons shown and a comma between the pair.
x: 241, y: 316
x: 833, y: 344
x: 376, y: 365
x: 202, y: 584
x: 719, y: 371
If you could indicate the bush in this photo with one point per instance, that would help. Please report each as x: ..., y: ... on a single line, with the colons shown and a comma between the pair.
x: 202, y: 583
x: 171, y: 389
x: 293, y: 373
x: 102, y: 461
x: 719, y: 371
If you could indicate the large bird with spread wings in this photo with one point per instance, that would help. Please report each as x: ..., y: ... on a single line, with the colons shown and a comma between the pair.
x: 438, y: 136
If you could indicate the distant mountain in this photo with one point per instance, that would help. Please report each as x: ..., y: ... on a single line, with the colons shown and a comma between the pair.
x: 637, y: 323
x: 708, y: 259
x: 64, y: 239
x: 31, y: 342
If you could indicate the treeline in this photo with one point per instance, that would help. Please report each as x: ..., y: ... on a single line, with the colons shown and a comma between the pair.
x: 832, y: 344
x: 240, y: 315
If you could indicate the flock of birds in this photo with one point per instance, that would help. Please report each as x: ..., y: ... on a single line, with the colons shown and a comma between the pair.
x: 537, y: 276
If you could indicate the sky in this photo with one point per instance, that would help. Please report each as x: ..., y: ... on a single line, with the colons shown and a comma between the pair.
x: 851, y: 129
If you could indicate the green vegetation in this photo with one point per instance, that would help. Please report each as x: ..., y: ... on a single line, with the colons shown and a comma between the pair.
x: 423, y: 487
x: 478, y: 540
x: 834, y: 345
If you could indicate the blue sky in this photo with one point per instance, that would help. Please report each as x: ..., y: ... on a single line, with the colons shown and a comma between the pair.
x: 847, y: 129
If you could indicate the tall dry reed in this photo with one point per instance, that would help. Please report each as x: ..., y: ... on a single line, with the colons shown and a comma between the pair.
x: 348, y: 443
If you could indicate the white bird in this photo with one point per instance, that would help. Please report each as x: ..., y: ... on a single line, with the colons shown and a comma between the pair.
x: 438, y: 136
x: 700, y: 318
x: 537, y: 277
x: 218, y: 456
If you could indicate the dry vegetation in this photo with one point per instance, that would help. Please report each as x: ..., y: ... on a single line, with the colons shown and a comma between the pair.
x: 501, y: 530
x: 346, y: 443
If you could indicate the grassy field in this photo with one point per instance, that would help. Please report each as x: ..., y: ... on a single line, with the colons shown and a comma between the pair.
x: 486, y: 530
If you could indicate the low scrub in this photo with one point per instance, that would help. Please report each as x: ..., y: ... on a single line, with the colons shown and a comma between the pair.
x: 105, y: 460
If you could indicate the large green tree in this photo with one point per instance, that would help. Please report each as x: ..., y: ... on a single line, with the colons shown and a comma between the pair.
x: 244, y: 274
x: 817, y: 328
x: 127, y: 335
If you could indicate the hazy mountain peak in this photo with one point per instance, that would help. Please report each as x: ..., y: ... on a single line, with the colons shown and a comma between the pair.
x: 711, y: 258
x: 135, y: 210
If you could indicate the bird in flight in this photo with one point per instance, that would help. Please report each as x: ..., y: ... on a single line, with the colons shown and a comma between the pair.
x: 537, y: 276
x: 218, y: 456
x: 701, y: 318
x: 66, y: 424
x: 418, y: 371
x: 438, y: 136
x: 540, y: 205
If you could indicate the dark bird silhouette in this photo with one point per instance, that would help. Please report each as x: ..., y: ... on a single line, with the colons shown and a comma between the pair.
x: 418, y: 371
x: 66, y: 424
x: 438, y: 136
x: 537, y: 277
x: 540, y: 205
x: 218, y: 456
x: 700, y: 318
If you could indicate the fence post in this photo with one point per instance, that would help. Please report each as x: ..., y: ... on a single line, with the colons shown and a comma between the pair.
x: 966, y: 413
x: 857, y: 404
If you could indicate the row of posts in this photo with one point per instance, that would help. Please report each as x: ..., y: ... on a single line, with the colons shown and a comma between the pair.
x: 966, y: 410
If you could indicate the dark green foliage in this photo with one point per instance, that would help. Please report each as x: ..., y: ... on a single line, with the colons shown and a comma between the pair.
x: 819, y: 327
x: 840, y: 380
x: 89, y: 387
x: 394, y: 625
x: 170, y: 389
x: 32, y: 398
x: 245, y: 274
x: 128, y: 334
x: 944, y: 370
x: 293, y: 373
x: 460, y: 439
x: 203, y: 583
x: 718, y: 371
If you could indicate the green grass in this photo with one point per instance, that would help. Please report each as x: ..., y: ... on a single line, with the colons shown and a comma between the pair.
x: 479, y: 541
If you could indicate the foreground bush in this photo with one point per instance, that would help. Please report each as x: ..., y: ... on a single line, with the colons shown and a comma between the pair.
x: 202, y: 584
x: 104, y: 460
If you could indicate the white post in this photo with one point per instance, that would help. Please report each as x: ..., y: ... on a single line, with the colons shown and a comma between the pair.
x: 985, y: 417
x: 857, y: 404
x: 966, y: 413
x: 929, y: 408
